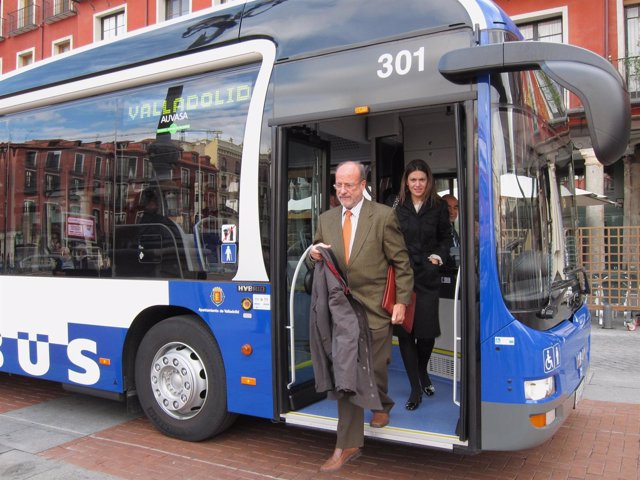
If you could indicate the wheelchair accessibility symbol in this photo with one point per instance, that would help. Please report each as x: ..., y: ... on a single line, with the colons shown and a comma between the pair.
x: 551, y: 358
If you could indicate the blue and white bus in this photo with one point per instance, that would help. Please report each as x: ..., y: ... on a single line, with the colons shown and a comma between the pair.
x: 159, y: 192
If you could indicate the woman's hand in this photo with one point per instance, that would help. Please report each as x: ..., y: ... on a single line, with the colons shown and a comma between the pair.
x: 397, y: 317
x: 435, y: 259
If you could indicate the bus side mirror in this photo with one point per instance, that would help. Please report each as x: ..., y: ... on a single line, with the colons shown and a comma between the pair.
x: 592, y: 78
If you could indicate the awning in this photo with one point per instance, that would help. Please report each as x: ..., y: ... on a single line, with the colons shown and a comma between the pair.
x: 299, y: 205
x: 517, y: 186
x: 520, y: 186
x: 585, y: 198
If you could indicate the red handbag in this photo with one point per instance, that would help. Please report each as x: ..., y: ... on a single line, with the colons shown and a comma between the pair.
x: 389, y: 300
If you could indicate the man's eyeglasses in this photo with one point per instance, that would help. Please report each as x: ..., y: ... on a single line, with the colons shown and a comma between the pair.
x: 346, y: 186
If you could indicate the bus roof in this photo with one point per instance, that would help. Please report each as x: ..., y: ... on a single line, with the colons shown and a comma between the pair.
x: 298, y: 28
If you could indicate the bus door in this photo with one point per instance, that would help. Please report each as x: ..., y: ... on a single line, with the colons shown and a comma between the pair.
x: 434, y: 134
x: 307, y: 160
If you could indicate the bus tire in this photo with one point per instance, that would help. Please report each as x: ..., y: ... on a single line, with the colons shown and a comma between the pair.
x: 180, y: 380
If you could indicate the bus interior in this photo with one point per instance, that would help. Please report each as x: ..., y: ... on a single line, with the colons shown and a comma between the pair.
x: 384, y: 144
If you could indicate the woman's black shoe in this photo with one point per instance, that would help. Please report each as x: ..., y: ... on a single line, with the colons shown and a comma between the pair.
x: 413, y: 402
x: 429, y: 390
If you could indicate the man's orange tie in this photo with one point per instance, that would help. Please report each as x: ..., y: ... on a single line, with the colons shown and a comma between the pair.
x: 346, y: 234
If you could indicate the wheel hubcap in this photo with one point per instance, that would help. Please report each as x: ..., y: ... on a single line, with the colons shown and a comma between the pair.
x: 179, y: 380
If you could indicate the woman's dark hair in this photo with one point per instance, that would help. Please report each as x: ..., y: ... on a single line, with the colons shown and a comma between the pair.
x: 431, y: 196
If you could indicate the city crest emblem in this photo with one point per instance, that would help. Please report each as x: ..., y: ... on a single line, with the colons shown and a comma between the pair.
x: 217, y: 296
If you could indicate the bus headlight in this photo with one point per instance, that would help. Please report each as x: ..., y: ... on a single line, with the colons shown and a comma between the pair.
x: 539, y: 389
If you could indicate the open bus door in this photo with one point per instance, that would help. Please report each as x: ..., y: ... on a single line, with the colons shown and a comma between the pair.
x: 436, y: 133
x: 307, y: 160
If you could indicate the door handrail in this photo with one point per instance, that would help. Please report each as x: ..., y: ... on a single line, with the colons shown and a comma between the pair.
x: 290, y: 326
x: 456, y: 338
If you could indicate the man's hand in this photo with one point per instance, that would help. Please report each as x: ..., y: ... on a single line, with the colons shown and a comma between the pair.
x: 397, y: 317
x: 314, y: 253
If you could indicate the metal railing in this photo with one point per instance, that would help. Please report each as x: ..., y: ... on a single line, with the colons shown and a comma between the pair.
x: 23, y: 19
x: 611, y: 257
x: 55, y: 10
x: 629, y: 68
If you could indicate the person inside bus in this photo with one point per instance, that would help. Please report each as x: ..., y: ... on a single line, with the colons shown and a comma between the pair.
x: 151, y: 214
x: 453, y: 259
x: 425, y: 224
x: 171, y: 233
x: 151, y: 205
x: 365, y: 238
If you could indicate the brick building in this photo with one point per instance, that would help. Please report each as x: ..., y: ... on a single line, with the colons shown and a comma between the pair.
x: 32, y: 30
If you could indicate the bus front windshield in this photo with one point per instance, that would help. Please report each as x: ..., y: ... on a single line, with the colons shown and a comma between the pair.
x: 534, y: 209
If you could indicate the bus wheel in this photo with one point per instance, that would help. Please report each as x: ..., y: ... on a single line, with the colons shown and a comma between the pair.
x: 180, y: 380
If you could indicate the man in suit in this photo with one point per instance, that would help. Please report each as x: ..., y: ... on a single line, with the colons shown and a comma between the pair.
x: 375, y: 241
x: 452, y: 203
x: 454, y: 257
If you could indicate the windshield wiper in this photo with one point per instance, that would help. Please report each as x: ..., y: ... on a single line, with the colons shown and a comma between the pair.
x: 562, y: 285
x: 573, y: 271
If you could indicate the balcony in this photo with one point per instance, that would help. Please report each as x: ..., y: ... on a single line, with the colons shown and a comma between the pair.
x: 629, y: 68
x: 56, y: 10
x: 23, y: 20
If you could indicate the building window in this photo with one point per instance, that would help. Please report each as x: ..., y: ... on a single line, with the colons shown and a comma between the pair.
x: 96, y: 194
x: 547, y: 30
x: 128, y: 167
x: 24, y: 58
x: 51, y: 183
x: 24, y: 19
x: 62, y: 45
x: 185, y: 198
x: 630, y: 65
x: 112, y: 26
x: 147, y: 169
x: 62, y: 6
x: 30, y: 159
x: 632, y: 22
x: 108, y: 25
x: 168, y: 9
x: 53, y: 161
x: 96, y: 215
x: 122, y: 190
x: 98, y: 170
x: 78, y: 164
x: 57, y: 10
x: 76, y: 189
x: 29, y: 221
x: 30, y: 182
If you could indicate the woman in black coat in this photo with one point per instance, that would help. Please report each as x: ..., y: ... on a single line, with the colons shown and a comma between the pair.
x: 424, y: 221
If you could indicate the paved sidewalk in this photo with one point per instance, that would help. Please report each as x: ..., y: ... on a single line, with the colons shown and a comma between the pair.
x: 614, y: 374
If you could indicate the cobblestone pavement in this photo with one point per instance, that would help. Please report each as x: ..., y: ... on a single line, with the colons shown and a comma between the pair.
x: 47, y: 433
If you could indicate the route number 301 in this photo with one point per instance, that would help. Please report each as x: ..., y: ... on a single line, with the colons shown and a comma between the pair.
x: 401, y: 64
